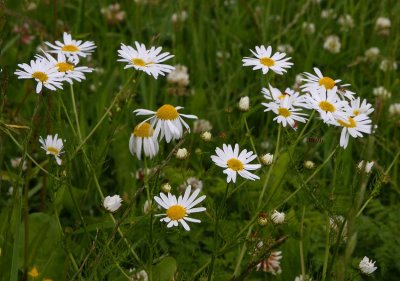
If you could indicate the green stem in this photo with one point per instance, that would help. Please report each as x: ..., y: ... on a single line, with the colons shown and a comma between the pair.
x: 303, y: 268
x: 148, y: 192
x: 327, y: 247
x: 78, y: 129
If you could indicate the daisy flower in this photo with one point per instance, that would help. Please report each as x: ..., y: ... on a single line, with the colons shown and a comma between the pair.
x: 167, y: 121
x: 143, y: 135
x: 319, y: 81
x: 44, y: 73
x: 274, y: 94
x: 53, y: 145
x: 264, y: 61
x: 179, y: 209
x: 354, y: 126
x: 235, y: 162
x: 357, y: 107
x: 73, y: 49
x: 145, y: 60
x: 286, y: 113
x: 70, y: 70
x: 328, y: 104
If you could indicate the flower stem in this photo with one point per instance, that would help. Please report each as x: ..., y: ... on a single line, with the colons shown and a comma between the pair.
x: 78, y: 129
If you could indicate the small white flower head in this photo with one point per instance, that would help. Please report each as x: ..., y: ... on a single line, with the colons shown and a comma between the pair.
x: 167, y: 121
x: 308, y: 27
x: 309, y: 164
x: 278, y: 217
x: 69, y: 70
x: 332, y: 44
x: 365, y: 166
x: 357, y: 107
x: 346, y: 22
x: 285, y: 48
x: 394, y: 109
x: 166, y: 187
x: 140, y: 276
x: 388, y: 65
x: 382, y: 26
x: 113, y: 13
x: 367, y: 266
x: 53, y: 146
x: 382, y: 93
x: 112, y: 203
x: 179, y: 17
x: 372, y: 53
x: 44, y: 73
x: 235, y: 163
x: 302, y: 278
x: 148, y: 61
x: 262, y: 219
x: 272, y: 264
x: 147, y: 207
x: 143, y: 136
x: 179, y: 76
x: 15, y: 162
x: 181, y: 153
x: 206, y: 136
x: 195, y: 183
x: 179, y: 209
x: 73, y: 49
x: 265, y: 60
x: 353, y: 126
x: 328, y: 14
x: 201, y: 126
x: 267, y: 159
x: 244, y: 103
x: 276, y: 95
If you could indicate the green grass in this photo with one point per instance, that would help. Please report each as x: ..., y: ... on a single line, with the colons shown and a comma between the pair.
x: 54, y: 219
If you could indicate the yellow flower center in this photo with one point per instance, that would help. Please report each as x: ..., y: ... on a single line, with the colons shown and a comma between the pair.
x: 282, y: 96
x: 167, y: 112
x: 34, y: 272
x: 351, y: 124
x: 143, y: 130
x: 327, y: 82
x: 284, y: 112
x: 138, y: 62
x: 267, y: 62
x: 70, y: 48
x: 235, y: 164
x: 327, y: 106
x: 356, y: 112
x: 41, y: 76
x: 176, y: 212
x: 53, y: 150
x: 64, y: 67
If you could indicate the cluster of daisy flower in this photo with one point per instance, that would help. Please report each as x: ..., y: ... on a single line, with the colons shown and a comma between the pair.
x: 51, y: 72
x: 336, y: 105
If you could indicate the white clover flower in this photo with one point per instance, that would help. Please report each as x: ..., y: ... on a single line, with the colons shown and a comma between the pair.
x: 346, y: 22
x: 388, y: 65
x: 302, y: 278
x: 179, y: 17
x: 285, y: 48
x: 382, y: 25
x: 394, y: 109
x: 367, y: 266
x: 113, y: 13
x: 44, y: 73
x: 206, y: 136
x: 309, y: 164
x: 195, y: 183
x: 167, y: 121
x: 179, y: 209
x: 73, y: 49
x: 148, y: 61
x: 112, y: 203
x: 365, y: 166
x: 235, y: 163
x: 201, y: 126
x: 53, y: 145
x: 382, y: 93
x: 181, y: 153
x: 372, y: 53
x: 332, y: 44
x: 140, y: 276
x: 179, y: 76
x: 272, y: 264
x: 278, y: 217
x: 15, y: 162
x: 244, y: 103
x: 265, y: 60
x: 308, y: 27
x: 267, y: 159
x: 143, y: 136
x: 328, y: 14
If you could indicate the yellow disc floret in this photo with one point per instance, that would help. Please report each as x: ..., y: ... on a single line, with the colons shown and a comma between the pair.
x: 143, y: 130
x: 70, y: 48
x: 327, y: 82
x: 167, y: 112
x: 235, y: 164
x: 267, y: 62
x: 41, y: 76
x: 53, y: 150
x: 64, y: 67
x: 284, y: 112
x: 176, y: 212
x: 351, y: 124
x: 138, y: 62
x: 327, y: 106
